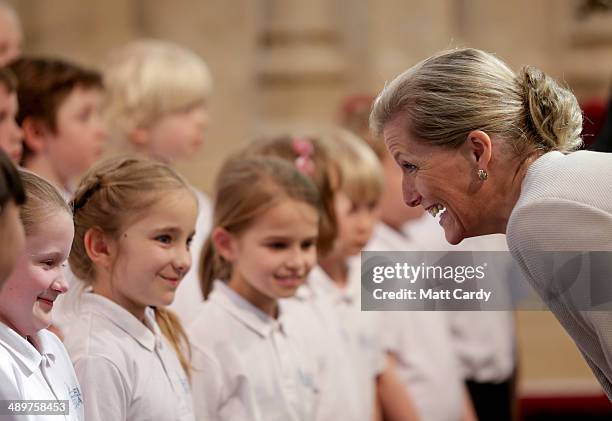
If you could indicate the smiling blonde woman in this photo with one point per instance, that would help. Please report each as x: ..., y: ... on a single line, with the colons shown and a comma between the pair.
x: 493, y: 152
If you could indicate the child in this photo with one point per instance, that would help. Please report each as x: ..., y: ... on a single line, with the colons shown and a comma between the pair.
x: 313, y: 308
x: 134, y: 221
x: 11, y: 34
x: 248, y: 363
x: 156, y: 101
x: 338, y: 278
x: 34, y: 365
x: 10, y: 133
x: 59, y: 113
x: 11, y: 197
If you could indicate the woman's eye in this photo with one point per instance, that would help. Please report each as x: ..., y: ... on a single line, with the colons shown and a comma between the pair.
x: 277, y: 245
x: 165, y: 239
x: 189, y: 242
x: 307, y: 244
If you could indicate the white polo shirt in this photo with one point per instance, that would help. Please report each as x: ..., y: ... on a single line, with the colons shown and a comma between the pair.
x: 247, y: 365
x: 41, y: 372
x: 323, y: 337
x: 362, y: 340
x: 484, y: 340
x: 189, y: 294
x: 422, y: 343
x: 127, y: 369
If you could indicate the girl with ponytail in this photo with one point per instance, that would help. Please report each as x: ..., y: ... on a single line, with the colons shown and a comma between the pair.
x: 134, y: 220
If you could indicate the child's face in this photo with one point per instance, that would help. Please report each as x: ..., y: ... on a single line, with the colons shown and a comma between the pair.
x: 11, y: 37
x: 80, y: 133
x: 13, y: 240
x: 10, y: 133
x: 152, y: 255
x: 178, y: 135
x: 355, y: 224
x: 272, y: 257
x: 27, y: 296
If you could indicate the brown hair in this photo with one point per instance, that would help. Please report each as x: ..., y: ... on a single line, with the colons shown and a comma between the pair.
x: 42, y: 199
x: 44, y: 84
x: 8, y: 79
x: 325, y: 175
x: 109, y: 195
x: 246, y: 188
x: 450, y: 94
x: 11, y: 185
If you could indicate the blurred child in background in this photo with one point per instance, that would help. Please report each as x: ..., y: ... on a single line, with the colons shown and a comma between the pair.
x: 10, y: 133
x: 157, y: 104
x: 11, y: 34
x: 59, y: 114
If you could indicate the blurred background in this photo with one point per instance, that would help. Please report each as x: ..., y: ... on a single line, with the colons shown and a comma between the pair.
x: 279, y: 63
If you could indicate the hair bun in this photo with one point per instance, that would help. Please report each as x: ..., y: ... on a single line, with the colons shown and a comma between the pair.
x: 553, y: 113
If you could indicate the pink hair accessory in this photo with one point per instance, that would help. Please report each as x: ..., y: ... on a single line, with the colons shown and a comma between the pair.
x: 305, y: 149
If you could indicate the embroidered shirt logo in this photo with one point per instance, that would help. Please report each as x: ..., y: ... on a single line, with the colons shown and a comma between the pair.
x: 75, y: 396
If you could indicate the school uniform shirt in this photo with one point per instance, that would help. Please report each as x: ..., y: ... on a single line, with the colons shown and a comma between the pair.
x: 127, y: 369
x: 362, y: 340
x: 315, y: 320
x: 38, y: 372
x: 484, y: 340
x: 247, y: 365
x: 189, y: 296
x: 421, y: 342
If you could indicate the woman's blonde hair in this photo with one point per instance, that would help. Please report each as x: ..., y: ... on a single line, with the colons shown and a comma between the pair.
x: 112, y: 194
x: 245, y: 188
x: 41, y: 201
x: 361, y: 174
x: 324, y: 173
x: 450, y: 94
x: 147, y: 79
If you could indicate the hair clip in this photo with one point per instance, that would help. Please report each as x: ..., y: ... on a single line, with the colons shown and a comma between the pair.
x: 305, y: 149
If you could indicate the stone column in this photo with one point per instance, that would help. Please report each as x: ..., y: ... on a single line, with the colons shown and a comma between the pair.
x: 301, y: 66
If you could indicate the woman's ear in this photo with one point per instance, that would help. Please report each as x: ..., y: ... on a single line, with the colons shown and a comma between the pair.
x: 225, y: 243
x: 35, y: 134
x: 480, y: 148
x: 100, y: 248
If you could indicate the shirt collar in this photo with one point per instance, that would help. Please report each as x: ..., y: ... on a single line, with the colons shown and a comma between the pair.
x: 147, y: 334
x: 28, y: 357
x: 320, y: 282
x: 245, y: 312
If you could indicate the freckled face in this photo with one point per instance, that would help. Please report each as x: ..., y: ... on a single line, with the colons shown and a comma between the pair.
x: 435, y: 177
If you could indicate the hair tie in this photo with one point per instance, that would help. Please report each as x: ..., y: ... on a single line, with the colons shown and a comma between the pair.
x: 87, y: 194
x: 304, y: 148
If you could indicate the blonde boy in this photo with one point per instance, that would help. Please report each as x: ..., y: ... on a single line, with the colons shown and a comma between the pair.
x: 156, y: 100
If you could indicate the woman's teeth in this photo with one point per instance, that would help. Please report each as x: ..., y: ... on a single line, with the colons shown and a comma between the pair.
x: 436, y: 209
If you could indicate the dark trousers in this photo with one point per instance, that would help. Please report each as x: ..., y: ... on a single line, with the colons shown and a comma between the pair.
x: 492, y: 401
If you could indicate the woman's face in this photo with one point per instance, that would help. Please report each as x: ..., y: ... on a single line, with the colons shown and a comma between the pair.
x: 437, y: 178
